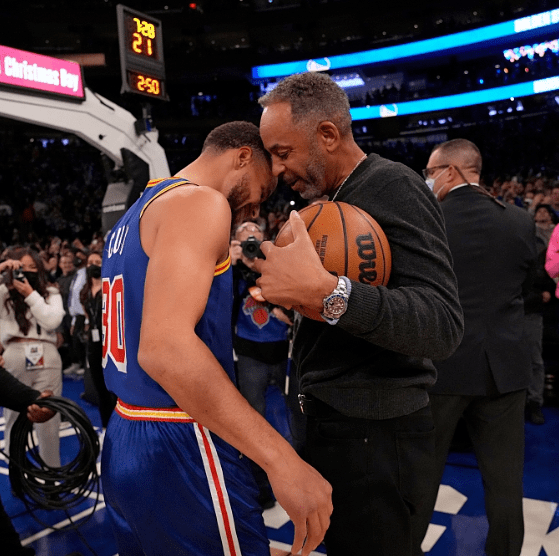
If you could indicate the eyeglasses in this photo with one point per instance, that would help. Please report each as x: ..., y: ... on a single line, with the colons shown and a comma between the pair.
x: 428, y: 172
x: 249, y: 227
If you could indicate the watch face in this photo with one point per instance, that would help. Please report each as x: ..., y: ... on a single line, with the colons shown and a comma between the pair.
x: 336, y: 306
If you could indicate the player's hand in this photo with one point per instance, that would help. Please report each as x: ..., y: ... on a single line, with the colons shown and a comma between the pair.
x: 38, y: 414
x: 307, y: 498
x: 293, y: 275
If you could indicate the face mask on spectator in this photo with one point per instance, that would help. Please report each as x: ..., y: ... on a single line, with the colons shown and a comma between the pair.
x: 94, y: 271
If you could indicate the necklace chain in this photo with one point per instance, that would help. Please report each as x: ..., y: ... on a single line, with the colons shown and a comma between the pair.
x: 348, y: 176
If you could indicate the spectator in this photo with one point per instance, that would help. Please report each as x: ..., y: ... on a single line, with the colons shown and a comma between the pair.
x: 260, y: 340
x: 552, y: 258
x: 485, y: 380
x: 30, y: 313
x: 537, y: 301
x: 91, y: 298
x: 75, y: 310
x: 545, y: 219
x: 67, y: 271
x: 554, y: 199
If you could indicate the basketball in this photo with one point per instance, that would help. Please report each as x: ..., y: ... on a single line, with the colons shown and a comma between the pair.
x: 349, y: 242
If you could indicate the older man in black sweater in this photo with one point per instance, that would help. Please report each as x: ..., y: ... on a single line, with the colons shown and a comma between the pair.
x: 365, y: 372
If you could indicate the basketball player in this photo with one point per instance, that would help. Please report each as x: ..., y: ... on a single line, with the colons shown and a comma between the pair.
x: 364, y: 372
x: 171, y: 485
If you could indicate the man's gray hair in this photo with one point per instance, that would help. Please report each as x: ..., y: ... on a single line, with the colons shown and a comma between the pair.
x: 314, y: 98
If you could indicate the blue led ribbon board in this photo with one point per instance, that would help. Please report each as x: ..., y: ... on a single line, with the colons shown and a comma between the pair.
x: 491, y: 35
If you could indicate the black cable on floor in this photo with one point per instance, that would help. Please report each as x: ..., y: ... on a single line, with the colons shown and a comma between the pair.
x: 42, y: 487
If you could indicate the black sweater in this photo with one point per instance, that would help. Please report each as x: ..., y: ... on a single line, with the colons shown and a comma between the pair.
x: 376, y: 362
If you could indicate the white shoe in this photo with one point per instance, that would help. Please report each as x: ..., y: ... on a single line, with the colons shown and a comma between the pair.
x: 72, y: 369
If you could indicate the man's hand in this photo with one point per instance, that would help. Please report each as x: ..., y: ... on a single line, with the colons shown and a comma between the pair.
x: 307, y: 498
x: 38, y: 414
x: 293, y: 275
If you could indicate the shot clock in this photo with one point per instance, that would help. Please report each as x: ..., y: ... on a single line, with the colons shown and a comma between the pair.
x: 141, y: 53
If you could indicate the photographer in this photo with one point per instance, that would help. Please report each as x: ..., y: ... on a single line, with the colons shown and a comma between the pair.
x: 30, y: 312
x: 261, y: 332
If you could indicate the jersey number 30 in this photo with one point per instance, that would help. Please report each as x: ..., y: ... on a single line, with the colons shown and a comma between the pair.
x: 113, y: 323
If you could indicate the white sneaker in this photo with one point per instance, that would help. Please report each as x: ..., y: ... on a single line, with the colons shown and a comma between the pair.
x: 72, y: 369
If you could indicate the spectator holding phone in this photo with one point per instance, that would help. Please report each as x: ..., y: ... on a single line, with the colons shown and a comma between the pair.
x: 30, y: 312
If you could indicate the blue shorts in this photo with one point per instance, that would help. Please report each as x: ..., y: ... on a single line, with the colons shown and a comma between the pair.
x: 172, y: 487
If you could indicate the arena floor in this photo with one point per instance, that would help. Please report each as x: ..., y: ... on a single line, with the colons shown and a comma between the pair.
x: 458, y: 526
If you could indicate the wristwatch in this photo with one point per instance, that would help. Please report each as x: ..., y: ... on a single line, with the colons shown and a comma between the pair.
x: 335, y: 304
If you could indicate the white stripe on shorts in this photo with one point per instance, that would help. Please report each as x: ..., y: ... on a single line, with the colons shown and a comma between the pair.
x: 220, y: 497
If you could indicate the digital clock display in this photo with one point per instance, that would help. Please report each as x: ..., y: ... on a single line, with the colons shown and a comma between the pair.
x: 141, y: 36
x: 146, y: 84
x: 140, y: 40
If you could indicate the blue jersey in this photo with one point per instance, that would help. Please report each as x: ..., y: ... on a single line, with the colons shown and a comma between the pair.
x: 124, y: 272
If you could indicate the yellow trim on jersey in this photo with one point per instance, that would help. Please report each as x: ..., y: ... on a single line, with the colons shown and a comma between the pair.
x: 152, y: 183
x: 136, y: 413
x: 222, y: 267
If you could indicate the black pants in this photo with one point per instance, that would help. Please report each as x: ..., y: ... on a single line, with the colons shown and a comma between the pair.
x: 496, y: 428
x: 379, y: 471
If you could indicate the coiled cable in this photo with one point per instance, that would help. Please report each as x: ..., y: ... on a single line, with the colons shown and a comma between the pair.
x: 40, y: 486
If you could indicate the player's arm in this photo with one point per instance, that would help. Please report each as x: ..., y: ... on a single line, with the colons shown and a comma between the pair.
x: 186, y: 233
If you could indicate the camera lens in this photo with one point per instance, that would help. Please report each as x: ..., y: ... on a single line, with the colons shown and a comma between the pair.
x: 251, y: 248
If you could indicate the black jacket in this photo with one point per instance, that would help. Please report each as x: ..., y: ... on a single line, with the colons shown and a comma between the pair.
x: 494, y: 252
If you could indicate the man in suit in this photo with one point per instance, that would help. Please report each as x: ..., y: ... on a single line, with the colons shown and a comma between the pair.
x: 485, y: 380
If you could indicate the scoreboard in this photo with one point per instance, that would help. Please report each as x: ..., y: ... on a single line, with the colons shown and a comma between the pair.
x: 142, y: 66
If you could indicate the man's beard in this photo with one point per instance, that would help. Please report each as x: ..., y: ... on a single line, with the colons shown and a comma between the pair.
x: 315, y: 180
x: 238, y: 195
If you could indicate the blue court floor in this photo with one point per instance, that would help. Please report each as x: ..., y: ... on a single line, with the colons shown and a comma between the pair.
x: 458, y: 527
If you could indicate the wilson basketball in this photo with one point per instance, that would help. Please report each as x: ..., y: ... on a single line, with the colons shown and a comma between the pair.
x: 349, y: 242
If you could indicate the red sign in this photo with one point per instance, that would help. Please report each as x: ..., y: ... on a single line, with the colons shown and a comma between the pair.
x: 40, y: 73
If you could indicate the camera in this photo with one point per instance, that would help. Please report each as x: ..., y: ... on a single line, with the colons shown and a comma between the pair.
x: 9, y: 275
x: 251, y: 248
